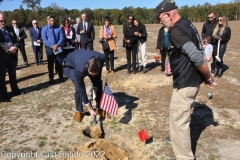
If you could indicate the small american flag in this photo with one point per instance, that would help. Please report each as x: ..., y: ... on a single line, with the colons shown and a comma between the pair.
x: 168, y: 69
x: 108, y: 103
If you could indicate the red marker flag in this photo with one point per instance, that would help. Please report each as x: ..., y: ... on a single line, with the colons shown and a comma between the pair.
x: 143, y: 135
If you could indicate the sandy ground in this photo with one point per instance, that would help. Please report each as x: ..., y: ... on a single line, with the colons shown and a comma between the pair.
x: 41, y: 121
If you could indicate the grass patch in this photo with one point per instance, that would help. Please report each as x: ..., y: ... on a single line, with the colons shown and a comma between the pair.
x: 41, y: 143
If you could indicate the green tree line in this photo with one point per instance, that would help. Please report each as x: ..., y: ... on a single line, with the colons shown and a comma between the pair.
x: 196, y: 13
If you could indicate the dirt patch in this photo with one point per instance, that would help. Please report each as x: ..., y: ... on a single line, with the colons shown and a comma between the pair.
x: 102, y: 150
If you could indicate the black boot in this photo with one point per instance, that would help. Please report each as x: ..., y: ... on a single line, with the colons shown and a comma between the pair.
x: 220, y: 73
x: 139, y: 68
x: 144, y: 69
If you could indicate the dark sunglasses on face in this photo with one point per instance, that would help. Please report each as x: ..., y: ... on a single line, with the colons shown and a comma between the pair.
x: 210, y: 17
x: 2, y: 21
x: 219, y: 20
x: 34, y: 23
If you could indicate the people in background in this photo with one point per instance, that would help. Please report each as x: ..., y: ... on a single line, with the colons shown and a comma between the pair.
x: 69, y: 36
x: 208, y: 50
x: 53, y: 37
x: 108, y: 33
x: 21, y: 35
x: 130, y: 42
x: 209, y: 25
x: 222, y: 33
x: 37, y: 45
x: 78, y: 36
x: 163, y: 44
x: 87, y: 32
x: 141, y: 42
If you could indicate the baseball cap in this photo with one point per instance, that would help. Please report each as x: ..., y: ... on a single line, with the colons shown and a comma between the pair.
x: 164, y: 6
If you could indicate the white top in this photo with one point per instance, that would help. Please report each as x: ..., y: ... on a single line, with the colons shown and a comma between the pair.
x: 208, y: 50
x: 70, y: 35
x: 16, y: 31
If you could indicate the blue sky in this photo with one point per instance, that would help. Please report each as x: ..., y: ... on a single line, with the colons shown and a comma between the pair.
x: 106, y: 4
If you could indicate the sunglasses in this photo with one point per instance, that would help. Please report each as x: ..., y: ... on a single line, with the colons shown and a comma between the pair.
x: 210, y: 17
x: 15, y: 23
x: 219, y: 20
x: 1, y: 21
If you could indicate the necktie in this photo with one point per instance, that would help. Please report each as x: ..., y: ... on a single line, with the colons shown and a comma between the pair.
x: 54, y: 36
x: 7, y: 37
x: 85, y: 26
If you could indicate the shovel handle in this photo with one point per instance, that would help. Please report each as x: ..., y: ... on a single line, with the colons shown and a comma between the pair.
x: 94, y: 117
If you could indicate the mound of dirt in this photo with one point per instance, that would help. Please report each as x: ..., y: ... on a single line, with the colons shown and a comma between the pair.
x: 101, y: 150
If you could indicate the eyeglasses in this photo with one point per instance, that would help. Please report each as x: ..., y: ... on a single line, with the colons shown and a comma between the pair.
x: 1, y: 21
x: 219, y: 20
x: 159, y: 19
x: 210, y: 17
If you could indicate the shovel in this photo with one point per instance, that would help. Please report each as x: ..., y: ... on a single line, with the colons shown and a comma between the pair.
x: 217, y: 56
x: 95, y: 126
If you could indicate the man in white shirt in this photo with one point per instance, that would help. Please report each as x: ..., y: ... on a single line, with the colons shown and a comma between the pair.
x: 78, y: 36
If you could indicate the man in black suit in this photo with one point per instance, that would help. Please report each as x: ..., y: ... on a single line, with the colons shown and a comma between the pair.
x: 21, y: 35
x: 35, y: 34
x: 87, y: 32
x: 8, y: 50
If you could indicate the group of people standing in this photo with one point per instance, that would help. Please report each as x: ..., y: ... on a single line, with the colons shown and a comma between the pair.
x: 215, y: 34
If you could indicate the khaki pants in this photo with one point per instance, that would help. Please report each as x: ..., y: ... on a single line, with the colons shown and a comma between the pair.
x: 180, y: 117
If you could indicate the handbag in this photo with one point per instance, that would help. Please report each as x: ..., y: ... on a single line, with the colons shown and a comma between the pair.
x: 105, y: 45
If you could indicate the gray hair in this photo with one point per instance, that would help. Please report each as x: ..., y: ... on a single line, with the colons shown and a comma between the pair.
x: 34, y: 21
x: 77, y: 18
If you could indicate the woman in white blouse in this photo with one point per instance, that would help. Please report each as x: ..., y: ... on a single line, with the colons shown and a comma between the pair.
x: 69, y: 36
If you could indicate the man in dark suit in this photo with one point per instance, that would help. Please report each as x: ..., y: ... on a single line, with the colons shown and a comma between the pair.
x: 87, y: 32
x: 78, y: 65
x: 35, y: 34
x: 8, y: 49
x: 21, y: 35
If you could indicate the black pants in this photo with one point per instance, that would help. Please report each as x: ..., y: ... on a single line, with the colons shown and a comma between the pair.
x: 218, y: 66
x: 87, y: 45
x: 163, y: 58
x: 77, y: 45
x: 8, y: 62
x: 38, y: 54
x: 131, y: 54
x: 109, y: 59
x: 23, y: 52
x: 77, y: 95
x: 58, y: 60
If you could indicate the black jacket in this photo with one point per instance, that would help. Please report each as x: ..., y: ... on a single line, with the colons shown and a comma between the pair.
x: 23, y: 36
x: 128, y: 33
x: 3, y: 43
x: 141, y: 28
x: 89, y: 35
x: 160, y: 40
x: 225, y: 37
x: 66, y: 39
x: 208, y: 28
